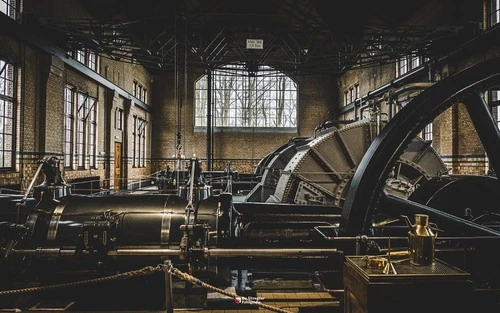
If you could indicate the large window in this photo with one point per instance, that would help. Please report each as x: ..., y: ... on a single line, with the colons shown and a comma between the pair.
x: 139, y: 142
x: 69, y: 125
x: 139, y: 91
x: 7, y: 103
x: 86, y: 56
x: 242, y: 100
x: 9, y: 8
x: 427, y: 132
x: 408, y: 63
x: 494, y: 99
x: 86, y: 131
x: 494, y: 12
x: 119, y: 118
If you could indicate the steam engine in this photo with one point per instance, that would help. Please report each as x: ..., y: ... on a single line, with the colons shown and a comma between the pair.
x: 81, y: 236
x: 342, y: 192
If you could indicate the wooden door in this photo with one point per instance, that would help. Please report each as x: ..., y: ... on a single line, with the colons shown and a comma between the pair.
x: 118, y: 165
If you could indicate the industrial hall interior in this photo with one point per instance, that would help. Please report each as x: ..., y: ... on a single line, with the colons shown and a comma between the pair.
x: 293, y: 156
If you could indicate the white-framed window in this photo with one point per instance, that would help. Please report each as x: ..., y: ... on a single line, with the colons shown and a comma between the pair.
x: 10, y: 8
x: 119, y: 118
x: 86, y: 131
x: 407, y: 63
x: 427, y: 132
x: 242, y: 100
x: 87, y: 57
x: 402, y: 66
x: 139, y: 136
x: 351, y: 94
x: 494, y: 12
x: 494, y: 98
x: 139, y: 91
x: 69, y: 125
x: 7, y: 114
x: 92, y: 138
x: 135, y: 85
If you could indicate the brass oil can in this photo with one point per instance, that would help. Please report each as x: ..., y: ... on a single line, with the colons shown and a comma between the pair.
x: 421, y: 239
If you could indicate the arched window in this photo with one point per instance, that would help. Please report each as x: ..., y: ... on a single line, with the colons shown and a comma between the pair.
x: 242, y: 100
x: 7, y: 114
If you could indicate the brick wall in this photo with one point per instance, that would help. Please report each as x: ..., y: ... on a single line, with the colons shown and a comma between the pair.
x: 40, y: 111
x: 315, y: 105
x: 40, y: 106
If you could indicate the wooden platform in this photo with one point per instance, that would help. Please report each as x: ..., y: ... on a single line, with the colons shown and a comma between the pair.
x: 296, y: 302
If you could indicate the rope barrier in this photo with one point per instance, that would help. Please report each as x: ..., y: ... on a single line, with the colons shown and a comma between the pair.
x: 144, y: 271
x: 237, y: 299
x: 147, y: 271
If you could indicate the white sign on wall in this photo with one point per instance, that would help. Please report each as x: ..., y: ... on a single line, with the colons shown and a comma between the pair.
x: 255, y: 44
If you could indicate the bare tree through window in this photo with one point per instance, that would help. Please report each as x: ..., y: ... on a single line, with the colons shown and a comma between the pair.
x: 243, y: 100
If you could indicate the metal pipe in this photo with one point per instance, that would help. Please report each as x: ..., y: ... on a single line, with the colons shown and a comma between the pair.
x: 32, y: 182
x: 252, y: 252
x: 209, y: 121
x: 46, y: 251
x: 118, y: 252
x: 144, y: 252
x: 408, y: 87
x: 217, y: 252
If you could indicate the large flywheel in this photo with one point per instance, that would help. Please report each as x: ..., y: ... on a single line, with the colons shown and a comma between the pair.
x: 367, y: 193
x: 320, y: 170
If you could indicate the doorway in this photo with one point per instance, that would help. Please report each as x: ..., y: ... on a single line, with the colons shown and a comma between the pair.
x: 118, y: 166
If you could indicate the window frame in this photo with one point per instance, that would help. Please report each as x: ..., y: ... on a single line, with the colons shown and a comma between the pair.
x: 118, y: 118
x: 494, y: 13
x: 134, y: 88
x: 10, y: 8
x: 409, y: 62
x: 8, y: 109
x: 139, y: 142
x: 427, y: 132
x: 86, y: 132
x: 69, y: 126
x: 494, y: 100
x: 241, y: 101
x: 87, y: 57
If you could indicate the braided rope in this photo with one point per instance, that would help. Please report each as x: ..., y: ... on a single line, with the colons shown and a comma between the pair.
x: 144, y: 271
x: 236, y: 297
x: 147, y: 271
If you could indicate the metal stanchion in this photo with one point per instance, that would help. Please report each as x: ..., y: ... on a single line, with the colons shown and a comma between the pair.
x: 169, y: 298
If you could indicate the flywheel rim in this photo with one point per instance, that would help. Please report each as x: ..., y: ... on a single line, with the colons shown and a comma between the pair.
x: 366, y: 188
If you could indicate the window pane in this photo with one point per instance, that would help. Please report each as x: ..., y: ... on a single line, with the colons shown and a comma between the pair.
x: 7, y: 110
x: 69, y: 120
x: 240, y: 100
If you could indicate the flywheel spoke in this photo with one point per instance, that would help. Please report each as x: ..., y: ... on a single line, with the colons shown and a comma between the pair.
x: 486, y: 127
